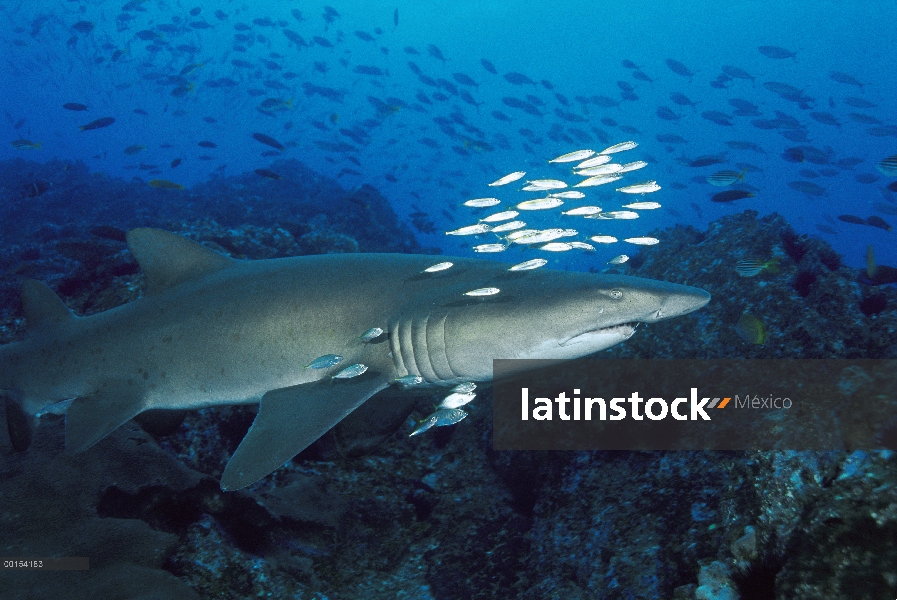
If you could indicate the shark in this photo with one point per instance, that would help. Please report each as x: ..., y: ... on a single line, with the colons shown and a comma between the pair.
x: 211, y: 330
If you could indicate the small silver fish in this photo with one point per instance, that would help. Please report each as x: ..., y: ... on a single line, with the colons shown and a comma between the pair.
x: 545, y: 184
x: 556, y: 247
x: 582, y: 210
x: 424, y: 425
x: 509, y: 178
x: 440, y: 418
x: 633, y: 166
x: 508, y: 226
x: 479, y: 292
x: 530, y: 264
x: 622, y: 215
x: 598, y: 180
x: 439, y: 267
x: 351, y: 371
x: 568, y: 195
x: 618, y: 260
x: 519, y: 234
x: 642, y: 241
x: 470, y: 230
x: 324, y: 362
x: 457, y: 400
x: 642, y: 205
x: 539, y: 236
x: 541, y: 203
x: 608, y: 169
x: 464, y: 388
x: 645, y: 187
x: 573, y: 156
x: 581, y: 246
x: 482, y: 202
x: 594, y: 161
x: 410, y: 380
x: 619, y: 147
x: 489, y: 248
x: 371, y: 334
x: 501, y: 216
x: 603, y: 239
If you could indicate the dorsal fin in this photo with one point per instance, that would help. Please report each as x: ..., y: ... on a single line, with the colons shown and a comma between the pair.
x: 168, y: 259
x: 42, y: 306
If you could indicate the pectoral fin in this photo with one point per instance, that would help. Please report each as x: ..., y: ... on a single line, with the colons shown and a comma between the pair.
x: 290, y: 419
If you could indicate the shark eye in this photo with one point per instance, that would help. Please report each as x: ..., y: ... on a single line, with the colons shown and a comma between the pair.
x: 616, y: 294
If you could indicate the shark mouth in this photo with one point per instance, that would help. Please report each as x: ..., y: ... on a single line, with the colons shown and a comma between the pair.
x: 617, y: 333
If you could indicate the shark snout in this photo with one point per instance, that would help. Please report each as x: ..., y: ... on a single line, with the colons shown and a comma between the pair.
x: 682, y: 301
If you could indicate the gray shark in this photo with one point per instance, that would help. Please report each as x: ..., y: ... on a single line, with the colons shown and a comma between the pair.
x: 212, y: 330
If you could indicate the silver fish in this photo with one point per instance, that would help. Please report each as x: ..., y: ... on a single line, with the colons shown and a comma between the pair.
x: 573, y: 156
x: 324, y: 362
x: 645, y: 187
x: 603, y: 239
x: 440, y: 418
x: 618, y: 260
x: 642, y: 205
x: 568, y: 195
x: 594, y: 161
x: 619, y: 147
x: 642, y: 241
x: 457, y: 400
x: 581, y: 246
x: 545, y: 184
x: 487, y: 291
x: 371, y: 334
x: 509, y: 178
x: 633, y: 166
x: 351, y: 371
x: 508, y: 226
x: 541, y: 203
x: 540, y: 237
x: 438, y: 267
x: 615, y: 214
x: 608, y: 169
x: 470, y: 230
x: 530, y: 264
x: 598, y: 180
x: 556, y: 247
x: 582, y: 210
x: 502, y: 216
x: 519, y: 233
x: 463, y: 388
x: 487, y: 248
x: 482, y: 202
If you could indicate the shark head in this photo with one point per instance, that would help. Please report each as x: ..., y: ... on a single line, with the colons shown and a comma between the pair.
x: 544, y: 315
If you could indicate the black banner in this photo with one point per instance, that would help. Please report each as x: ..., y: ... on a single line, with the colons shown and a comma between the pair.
x: 637, y: 404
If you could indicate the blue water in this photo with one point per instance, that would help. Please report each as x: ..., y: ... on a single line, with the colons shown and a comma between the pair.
x: 576, y: 46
